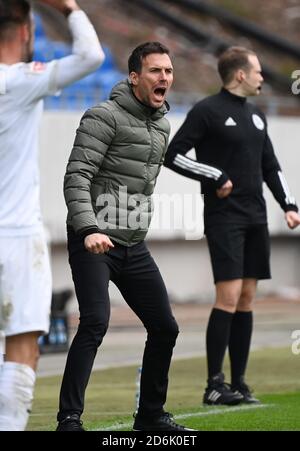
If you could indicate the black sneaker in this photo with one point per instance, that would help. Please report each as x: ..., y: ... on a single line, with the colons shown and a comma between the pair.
x: 164, y: 422
x: 243, y: 389
x: 220, y: 393
x: 70, y: 423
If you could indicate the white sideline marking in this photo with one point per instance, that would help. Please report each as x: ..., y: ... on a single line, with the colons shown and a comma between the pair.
x: 214, y: 411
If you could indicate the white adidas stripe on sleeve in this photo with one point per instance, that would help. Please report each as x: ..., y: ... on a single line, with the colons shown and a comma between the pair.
x: 289, y: 199
x: 197, y: 168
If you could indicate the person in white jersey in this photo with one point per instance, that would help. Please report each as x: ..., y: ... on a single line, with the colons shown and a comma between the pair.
x: 25, y: 278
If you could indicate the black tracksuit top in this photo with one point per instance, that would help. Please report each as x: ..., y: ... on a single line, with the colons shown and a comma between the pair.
x: 231, y: 141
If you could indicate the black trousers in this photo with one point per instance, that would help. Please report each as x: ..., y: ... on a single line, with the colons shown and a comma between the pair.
x: 137, y: 276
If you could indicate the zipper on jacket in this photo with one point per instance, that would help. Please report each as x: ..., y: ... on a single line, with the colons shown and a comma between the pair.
x: 149, y: 128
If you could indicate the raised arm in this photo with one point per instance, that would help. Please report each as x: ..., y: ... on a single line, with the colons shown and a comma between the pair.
x: 87, y: 55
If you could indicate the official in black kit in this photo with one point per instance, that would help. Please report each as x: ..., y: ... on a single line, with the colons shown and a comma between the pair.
x: 234, y: 156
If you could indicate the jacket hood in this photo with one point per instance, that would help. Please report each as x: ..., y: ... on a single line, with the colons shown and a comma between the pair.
x: 123, y: 95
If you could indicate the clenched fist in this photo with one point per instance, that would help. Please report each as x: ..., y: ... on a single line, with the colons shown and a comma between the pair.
x: 293, y: 219
x: 97, y: 243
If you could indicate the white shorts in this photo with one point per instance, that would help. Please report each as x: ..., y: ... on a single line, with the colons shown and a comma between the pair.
x: 25, y: 284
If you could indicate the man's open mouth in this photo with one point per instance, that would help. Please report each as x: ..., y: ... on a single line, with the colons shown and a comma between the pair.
x: 160, y: 92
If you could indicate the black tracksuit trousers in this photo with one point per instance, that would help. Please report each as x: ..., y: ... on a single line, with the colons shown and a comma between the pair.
x: 137, y: 276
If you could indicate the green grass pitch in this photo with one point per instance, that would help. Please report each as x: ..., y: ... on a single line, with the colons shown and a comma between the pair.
x: 110, y: 400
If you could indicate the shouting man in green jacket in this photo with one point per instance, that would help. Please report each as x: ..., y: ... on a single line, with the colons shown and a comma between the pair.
x: 111, y: 174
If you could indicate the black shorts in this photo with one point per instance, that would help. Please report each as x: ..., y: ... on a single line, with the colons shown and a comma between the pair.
x: 239, y: 251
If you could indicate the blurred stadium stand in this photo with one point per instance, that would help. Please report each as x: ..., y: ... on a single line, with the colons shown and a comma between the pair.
x: 86, y: 92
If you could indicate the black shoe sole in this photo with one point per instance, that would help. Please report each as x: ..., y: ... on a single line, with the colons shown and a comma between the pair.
x: 234, y: 402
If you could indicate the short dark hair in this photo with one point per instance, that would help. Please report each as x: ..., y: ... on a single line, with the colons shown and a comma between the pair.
x: 231, y: 60
x: 13, y: 13
x: 135, y: 60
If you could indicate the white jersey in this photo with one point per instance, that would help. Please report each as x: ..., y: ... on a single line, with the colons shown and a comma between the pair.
x: 22, y: 89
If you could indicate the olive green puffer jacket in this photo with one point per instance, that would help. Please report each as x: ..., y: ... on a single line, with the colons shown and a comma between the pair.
x: 117, y: 155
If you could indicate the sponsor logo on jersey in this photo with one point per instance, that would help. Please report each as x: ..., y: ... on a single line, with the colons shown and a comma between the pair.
x: 36, y: 67
x: 258, y: 122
